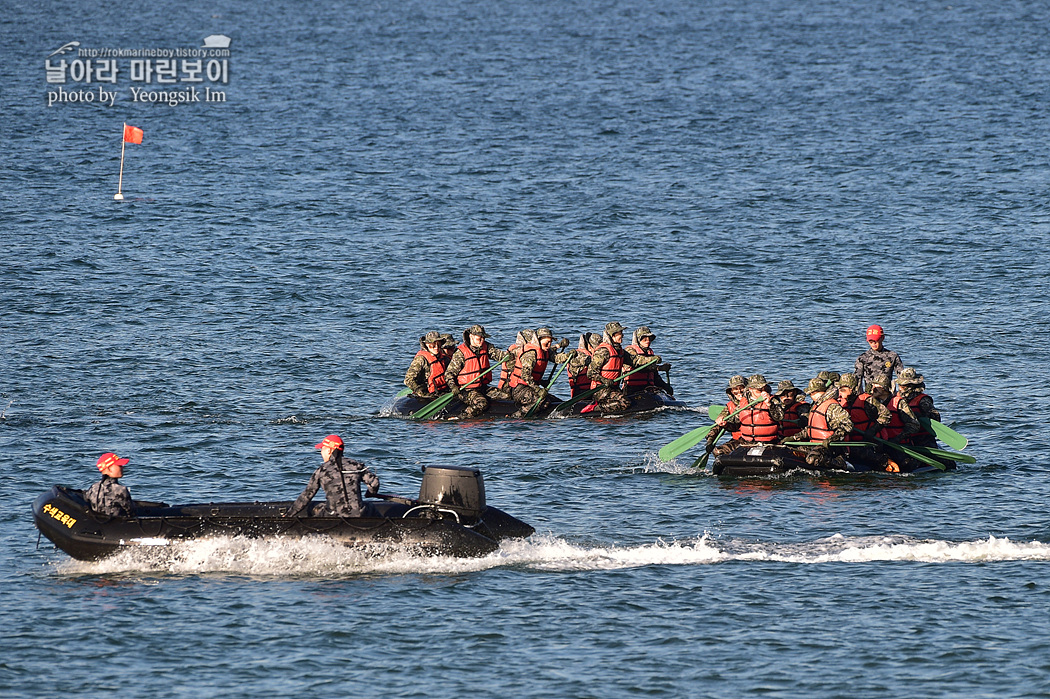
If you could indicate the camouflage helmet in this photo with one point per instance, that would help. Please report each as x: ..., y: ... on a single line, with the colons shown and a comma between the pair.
x: 613, y: 328
x: 816, y: 386
x: 849, y: 381
x: 828, y: 377
x: 544, y: 332
x: 882, y: 381
x: 786, y: 386
x: 431, y: 338
x: 736, y: 381
x: 477, y: 330
x: 447, y: 340
x: 757, y: 381
x: 644, y: 331
x: 909, y: 377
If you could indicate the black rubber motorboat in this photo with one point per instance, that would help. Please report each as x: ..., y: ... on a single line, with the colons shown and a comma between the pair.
x: 449, y: 518
x: 756, y: 460
x: 641, y: 402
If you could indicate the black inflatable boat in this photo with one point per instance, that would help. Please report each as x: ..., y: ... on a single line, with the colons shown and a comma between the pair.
x: 641, y: 402
x: 756, y: 460
x: 449, y: 518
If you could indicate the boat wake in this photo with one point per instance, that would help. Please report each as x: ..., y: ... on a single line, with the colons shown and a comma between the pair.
x: 652, y: 463
x: 320, y: 557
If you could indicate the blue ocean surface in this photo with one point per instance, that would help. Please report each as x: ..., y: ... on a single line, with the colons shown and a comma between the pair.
x: 757, y: 181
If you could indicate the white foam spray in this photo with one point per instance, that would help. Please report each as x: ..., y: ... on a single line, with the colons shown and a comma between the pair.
x: 321, y: 557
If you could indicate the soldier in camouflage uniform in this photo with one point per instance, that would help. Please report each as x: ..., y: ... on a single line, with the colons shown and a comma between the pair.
x: 418, y: 377
x: 611, y: 399
x: 877, y: 361
x: 796, y: 410
x: 850, y: 398
x: 580, y: 363
x: 648, y: 379
x: 108, y: 497
x: 341, y: 480
x: 828, y: 422
x: 473, y: 392
x: 525, y: 390
x: 913, y: 403
x: 759, y: 423
x: 880, y: 391
x: 869, y: 416
x: 737, y: 392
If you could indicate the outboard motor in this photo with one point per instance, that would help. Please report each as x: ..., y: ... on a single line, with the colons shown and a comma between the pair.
x: 455, y: 488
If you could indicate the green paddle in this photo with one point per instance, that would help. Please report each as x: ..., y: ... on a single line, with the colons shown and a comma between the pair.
x: 561, y: 407
x: 944, y: 433
x: 945, y: 454
x: 833, y: 444
x: 690, y: 439
x: 925, y: 451
x: 701, y: 463
x: 438, y: 404
x: 550, y: 384
x: 903, y: 449
x: 913, y: 454
x: 713, y: 412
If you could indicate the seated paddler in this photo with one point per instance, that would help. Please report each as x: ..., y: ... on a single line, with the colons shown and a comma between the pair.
x: 341, y: 480
x: 108, y: 497
x: 828, y: 422
x: 649, y: 378
x: 760, y: 423
x: 426, y: 374
x: 469, y: 371
x: 530, y: 363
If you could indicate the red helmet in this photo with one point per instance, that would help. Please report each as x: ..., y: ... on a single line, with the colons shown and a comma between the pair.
x: 874, y: 332
x: 332, y: 441
x: 109, y: 459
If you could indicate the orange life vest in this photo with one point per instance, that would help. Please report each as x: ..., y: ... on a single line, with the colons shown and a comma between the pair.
x: 580, y: 382
x: 757, y: 425
x: 792, y: 422
x: 859, y: 415
x: 611, y: 368
x: 473, y: 366
x: 731, y: 406
x: 646, y: 377
x: 896, y: 426
x: 819, y: 430
x: 436, y: 365
x: 504, y: 372
x: 537, y: 370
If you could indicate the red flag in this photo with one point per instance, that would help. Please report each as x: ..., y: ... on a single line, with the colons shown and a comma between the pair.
x: 132, y: 134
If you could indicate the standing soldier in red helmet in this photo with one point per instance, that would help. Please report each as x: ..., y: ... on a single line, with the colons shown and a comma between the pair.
x: 877, y: 361
x: 341, y: 481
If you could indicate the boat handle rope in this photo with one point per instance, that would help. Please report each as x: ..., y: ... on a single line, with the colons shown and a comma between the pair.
x: 431, y: 507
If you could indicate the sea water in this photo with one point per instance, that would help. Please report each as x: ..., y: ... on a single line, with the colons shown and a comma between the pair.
x: 756, y: 181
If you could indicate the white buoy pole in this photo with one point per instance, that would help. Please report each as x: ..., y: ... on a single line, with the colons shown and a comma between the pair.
x: 120, y: 182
